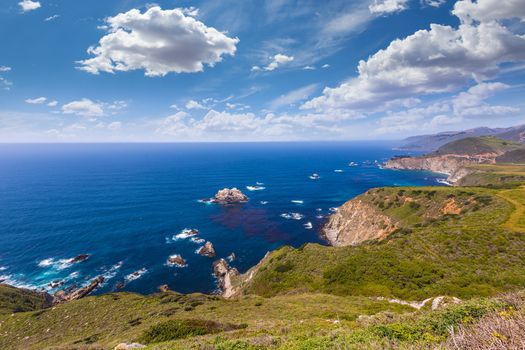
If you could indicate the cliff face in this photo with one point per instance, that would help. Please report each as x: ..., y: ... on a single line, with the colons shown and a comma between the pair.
x: 358, y: 221
x: 452, y: 165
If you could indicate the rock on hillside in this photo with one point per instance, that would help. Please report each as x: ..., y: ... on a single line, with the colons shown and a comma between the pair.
x: 356, y: 222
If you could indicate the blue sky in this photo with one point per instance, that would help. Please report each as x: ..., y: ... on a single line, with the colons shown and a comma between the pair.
x: 224, y: 70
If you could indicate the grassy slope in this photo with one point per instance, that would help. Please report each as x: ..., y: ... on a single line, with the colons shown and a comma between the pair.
x: 477, y: 253
x: 19, y: 300
x: 466, y: 255
x: 478, y: 145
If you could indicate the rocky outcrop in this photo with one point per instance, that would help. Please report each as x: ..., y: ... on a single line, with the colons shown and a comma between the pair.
x: 229, y: 196
x: 225, y: 276
x: 452, y: 165
x: 176, y: 260
x: 80, y: 258
x: 164, y: 288
x: 358, y: 221
x: 207, y: 250
x: 63, y: 296
x: 230, y: 281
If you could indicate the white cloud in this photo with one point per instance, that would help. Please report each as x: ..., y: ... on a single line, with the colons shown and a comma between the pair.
x: 52, y: 103
x: 5, y: 69
x: 28, y: 5
x: 294, y: 96
x: 489, y: 10
x: 84, y: 107
x: 434, y: 3
x: 276, y: 61
x: 471, y: 102
x: 192, y: 104
x: 114, y: 126
x: 325, y: 66
x: 36, y: 101
x: 51, y: 18
x: 309, y: 68
x: 440, y: 120
x: 441, y: 59
x: 382, y: 7
x: 158, y: 41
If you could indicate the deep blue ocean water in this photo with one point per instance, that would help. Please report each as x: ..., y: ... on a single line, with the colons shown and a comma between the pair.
x: 123, y: 203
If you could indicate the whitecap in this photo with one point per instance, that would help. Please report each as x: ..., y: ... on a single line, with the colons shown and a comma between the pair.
x: 338, y: 171
x: 264, y: 202
x: 308, y: 225
x: 297, y: 201
x: 3, y: 268
x: 255, y: 188
x: 136, y: 275
x: 333, y: 209
x: 259, y: 184
x: 294, y: 216
x: 444, y: 182
x: 197, y: 240
x: 185, y: 233
x: 320, y: 217
x: 46, y: 262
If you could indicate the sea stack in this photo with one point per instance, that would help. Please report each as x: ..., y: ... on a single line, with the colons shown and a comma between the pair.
x: 207, y: 250
x: 176, y: 260
x: 230, y: 196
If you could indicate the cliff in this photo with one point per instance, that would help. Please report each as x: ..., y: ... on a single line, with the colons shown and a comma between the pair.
x: 358, y: 221
x: 452, y: 165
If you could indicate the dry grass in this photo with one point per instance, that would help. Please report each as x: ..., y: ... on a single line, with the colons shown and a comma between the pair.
x: 503, y: 330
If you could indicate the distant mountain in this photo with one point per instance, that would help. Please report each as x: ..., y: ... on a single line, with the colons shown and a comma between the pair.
x: 431, y: 142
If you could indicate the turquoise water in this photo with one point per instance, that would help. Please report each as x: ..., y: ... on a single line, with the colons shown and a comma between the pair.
x: 124, y: 203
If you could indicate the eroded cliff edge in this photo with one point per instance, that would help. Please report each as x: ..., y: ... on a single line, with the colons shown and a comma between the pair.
x: 358, y: 221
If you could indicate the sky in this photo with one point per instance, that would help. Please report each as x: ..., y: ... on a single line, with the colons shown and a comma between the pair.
x: 257, y: 70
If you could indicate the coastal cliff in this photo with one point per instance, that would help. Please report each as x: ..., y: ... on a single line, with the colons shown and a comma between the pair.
x: 358, y: 221
x: 455, y: 158
x: 452, y: 165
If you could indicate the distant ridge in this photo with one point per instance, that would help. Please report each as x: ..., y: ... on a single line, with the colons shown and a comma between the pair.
x: 431, y: 142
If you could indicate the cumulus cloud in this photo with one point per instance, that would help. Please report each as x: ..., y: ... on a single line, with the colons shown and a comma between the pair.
x: 383, y: 7
x: 471, y: 102
x: 467, y: 104
x: 192, y: 104
x: 28, y: 5
x: 36, y: 101
x: 84, y: 107
x: 441, y: 59
x: 225, y: 125
x: 159, y: 42
x: 5, y: 69
x: 276, y: 61
x: 114, y: 126
x: 52, y: 103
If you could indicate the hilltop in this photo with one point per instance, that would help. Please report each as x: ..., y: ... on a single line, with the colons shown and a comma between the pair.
x: 431, y: 142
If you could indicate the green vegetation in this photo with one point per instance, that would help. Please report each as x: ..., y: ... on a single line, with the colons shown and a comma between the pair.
x: 479, y: 145
x: 19, y: 300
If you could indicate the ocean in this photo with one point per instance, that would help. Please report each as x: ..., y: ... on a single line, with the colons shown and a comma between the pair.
x: 125, y: 204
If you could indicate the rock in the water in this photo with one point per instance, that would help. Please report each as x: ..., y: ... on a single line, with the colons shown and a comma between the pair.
x: 176, y: 260
x: 61, y: 296
x: 229, y: 196
x: 207, y: 250
x: 80, y: 258
x: 164, y: 288
x: 231, y: 257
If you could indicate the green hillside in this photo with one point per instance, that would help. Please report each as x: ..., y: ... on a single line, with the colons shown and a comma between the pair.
x: 478, y: 145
